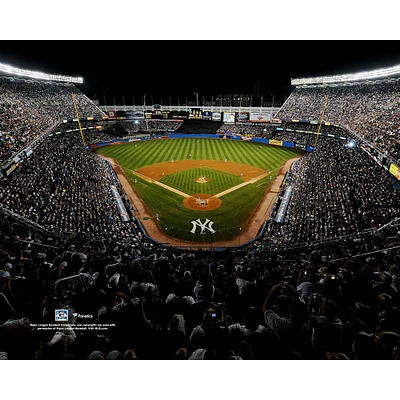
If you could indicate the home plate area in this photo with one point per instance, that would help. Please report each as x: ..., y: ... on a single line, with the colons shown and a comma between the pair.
x: 202, y: 202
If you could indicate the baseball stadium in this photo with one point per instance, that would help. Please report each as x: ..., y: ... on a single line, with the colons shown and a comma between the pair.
x: 200, y: 232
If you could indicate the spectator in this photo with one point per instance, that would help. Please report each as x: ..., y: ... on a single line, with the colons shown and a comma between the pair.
x: 293, y: 332
x: 327, y: 329
x: 250, y: 339
x: 217, y: 345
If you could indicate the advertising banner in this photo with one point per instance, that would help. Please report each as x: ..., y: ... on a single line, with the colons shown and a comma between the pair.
x: 216, y: 116
x: 275, y: 142
x: 111, y: 114
x: 242, y: 116
x: 179, y: 115
x: 207, y: 115
x: 137, y: 114
x: 10, y: 169
x: 259, y: 117
x: 395, y: 170
x: 229, y: 117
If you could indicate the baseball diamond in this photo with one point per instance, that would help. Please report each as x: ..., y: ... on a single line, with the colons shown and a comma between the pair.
x: 223, y: 181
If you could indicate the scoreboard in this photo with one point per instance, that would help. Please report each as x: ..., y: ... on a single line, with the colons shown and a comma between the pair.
x: 157, y: 114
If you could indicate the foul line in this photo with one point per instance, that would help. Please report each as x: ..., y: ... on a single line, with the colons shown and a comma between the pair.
x: 171, y: 189
x: 232, y: 189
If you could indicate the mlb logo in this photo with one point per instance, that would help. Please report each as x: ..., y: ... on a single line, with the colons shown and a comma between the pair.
x: 61, y: 315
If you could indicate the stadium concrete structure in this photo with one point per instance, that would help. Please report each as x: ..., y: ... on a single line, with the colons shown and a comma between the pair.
x: 80, y: 277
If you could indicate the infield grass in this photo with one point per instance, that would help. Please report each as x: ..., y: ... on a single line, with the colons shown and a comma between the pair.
x: 186, y: 181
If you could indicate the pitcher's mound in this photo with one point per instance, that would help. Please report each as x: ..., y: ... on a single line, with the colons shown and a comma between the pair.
x: 202, y: 179
x: 202, y: 202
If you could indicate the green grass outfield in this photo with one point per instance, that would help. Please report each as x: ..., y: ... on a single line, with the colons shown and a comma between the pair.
x: 174, y: 218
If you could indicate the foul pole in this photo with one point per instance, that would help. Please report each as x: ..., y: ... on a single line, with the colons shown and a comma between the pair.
x: 79, y: 120
x: 320, y: 122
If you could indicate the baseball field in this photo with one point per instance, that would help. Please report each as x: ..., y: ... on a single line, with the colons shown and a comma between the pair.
x: 199, y: 190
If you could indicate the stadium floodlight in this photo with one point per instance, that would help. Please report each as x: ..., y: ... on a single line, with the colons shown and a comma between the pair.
x: 359, y: 76
x: 38, y: 75
x: 350, y: 144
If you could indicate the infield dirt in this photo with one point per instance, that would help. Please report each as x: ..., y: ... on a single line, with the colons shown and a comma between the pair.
x: 155, y: 171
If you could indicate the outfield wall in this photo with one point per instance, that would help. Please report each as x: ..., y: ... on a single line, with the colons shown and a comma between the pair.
x: 203, y: 136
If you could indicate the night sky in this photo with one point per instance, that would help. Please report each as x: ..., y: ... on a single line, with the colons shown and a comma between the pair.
x: 125, y: 70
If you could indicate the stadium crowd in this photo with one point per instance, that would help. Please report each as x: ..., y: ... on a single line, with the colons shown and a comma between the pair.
x: 330, y: 201
x: 260, y: 129
x: 150, y: 125
x: 371, y: 111
x: 64, y: 187
x: 325, y: 301
x: 300, y: 140
x: 323, y: 285
x: 29, y: 108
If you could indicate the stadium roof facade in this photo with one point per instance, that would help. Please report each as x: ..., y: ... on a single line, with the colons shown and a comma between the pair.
x: 359, y: 77
x: 10, y: 70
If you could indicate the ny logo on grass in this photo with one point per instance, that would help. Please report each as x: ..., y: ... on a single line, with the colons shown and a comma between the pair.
x: 203, y: 227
